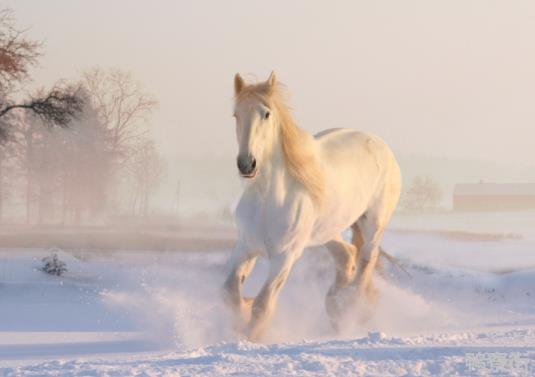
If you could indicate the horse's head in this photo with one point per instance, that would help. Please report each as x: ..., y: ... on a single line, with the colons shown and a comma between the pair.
x: 255, y: 123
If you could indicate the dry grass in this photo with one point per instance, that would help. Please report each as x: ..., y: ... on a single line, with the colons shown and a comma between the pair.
x: 119, y: 238
x: 458, y: 235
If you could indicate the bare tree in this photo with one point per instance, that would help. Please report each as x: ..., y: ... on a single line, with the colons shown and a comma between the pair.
x: 147, y: 170
x: 66, y: 171
x: 56, y: 106
x: 423, y: 193
x: 17, y: 53
x: 26, y: 139
x: 122, y: 106
x: 8, y: 163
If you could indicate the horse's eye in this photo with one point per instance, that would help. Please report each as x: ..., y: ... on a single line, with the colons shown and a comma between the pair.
x: 267, y: 114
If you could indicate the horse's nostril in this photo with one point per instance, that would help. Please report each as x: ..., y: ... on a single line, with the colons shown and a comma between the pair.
x: 246, y: 164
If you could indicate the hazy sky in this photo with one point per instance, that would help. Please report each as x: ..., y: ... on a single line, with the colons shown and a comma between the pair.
x: 448, y: 78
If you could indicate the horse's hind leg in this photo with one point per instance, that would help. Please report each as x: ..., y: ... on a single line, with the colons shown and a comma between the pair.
x: 241, y: 265
x: 357, y: 240
x: 344, y: 255
x: 371, y: 226
x: 367, y: 264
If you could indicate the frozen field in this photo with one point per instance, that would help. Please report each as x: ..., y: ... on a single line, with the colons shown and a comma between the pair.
x: 467, y: 308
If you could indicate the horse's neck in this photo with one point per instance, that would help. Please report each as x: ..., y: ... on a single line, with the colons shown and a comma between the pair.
x: 274, y: 178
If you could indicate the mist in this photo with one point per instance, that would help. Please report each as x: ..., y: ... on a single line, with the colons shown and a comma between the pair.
x: 449, y: 82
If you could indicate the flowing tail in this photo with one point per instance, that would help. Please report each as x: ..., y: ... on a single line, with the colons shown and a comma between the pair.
x: 393, y: 261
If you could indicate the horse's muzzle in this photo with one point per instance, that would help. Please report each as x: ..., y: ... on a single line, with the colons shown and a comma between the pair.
x: 247, y: 166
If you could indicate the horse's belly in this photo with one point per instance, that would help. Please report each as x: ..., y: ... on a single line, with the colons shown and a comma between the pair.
x: 348, y: 197
x: 335, y: 221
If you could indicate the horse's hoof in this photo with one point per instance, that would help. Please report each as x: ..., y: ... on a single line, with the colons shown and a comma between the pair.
x: 254, y: 336
x: 335, y: 325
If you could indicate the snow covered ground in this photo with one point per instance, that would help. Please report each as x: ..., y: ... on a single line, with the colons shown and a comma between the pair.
x: 467, y: 307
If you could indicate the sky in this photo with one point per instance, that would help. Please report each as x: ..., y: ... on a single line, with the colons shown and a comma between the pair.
x: 450, y: 79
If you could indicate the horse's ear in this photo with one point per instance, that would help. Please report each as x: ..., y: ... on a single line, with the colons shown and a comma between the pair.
x: 272, y: 79
x: 238, y: 84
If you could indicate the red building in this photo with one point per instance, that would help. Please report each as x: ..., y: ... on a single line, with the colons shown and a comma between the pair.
x: 493, y: 196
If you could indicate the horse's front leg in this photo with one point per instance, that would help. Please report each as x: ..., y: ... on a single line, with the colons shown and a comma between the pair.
x: 264, y: 304
x: 241, y: 265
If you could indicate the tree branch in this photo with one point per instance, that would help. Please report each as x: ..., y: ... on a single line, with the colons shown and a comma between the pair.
x: 55, y: 108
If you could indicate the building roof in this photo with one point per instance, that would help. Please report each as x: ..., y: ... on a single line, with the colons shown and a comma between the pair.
x: 494, y: 189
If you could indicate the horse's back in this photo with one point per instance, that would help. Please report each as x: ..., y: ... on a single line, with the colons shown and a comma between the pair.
x: 344, y: 145
x: 352, y: 138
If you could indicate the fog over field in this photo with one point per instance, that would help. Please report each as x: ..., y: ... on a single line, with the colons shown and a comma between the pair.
x: 450, y: 83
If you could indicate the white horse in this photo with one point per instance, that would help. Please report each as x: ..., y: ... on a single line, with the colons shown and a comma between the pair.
x: 303, y: 191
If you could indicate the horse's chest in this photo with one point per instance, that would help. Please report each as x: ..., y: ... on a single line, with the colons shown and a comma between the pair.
x: 269, y: 228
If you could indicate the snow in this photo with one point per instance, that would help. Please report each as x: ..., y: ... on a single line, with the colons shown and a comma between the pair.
x: 128, y: 313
